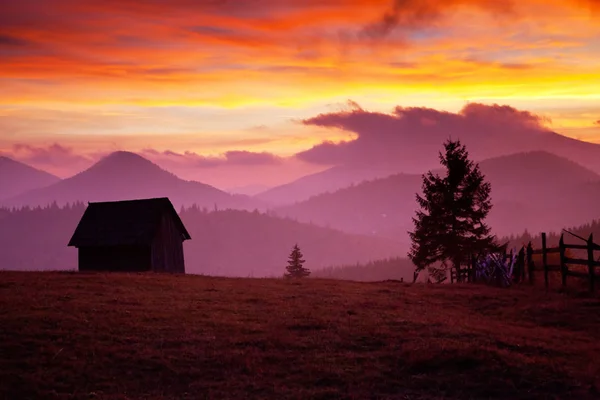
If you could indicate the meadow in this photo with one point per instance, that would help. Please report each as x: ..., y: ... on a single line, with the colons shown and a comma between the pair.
x: 68, y: 335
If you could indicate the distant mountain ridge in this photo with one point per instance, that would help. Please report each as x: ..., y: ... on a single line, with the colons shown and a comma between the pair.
x: 127, y: 176
x: 418, y: 155
x: 17, y: 178
x: 325, y: 181
x: 534, y: 190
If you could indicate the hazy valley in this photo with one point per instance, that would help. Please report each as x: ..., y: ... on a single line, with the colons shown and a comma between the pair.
x: 362, y: 222
x: 532, y: 191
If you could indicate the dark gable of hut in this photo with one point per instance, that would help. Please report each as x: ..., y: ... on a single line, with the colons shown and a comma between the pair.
x: 132, y: 236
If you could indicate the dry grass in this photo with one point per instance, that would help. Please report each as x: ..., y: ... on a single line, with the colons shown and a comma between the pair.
x: 72, y: 336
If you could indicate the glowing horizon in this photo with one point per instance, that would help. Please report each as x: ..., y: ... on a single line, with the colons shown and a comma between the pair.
x: 210, y: 77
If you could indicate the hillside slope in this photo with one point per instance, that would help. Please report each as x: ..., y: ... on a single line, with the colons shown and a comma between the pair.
x: 227, y: 243
x: 16, y: 178
x: 151, y: 336
x: 534, y: 191
x: 405, y: 145
x: 329, y: 180
x: 127, y: 176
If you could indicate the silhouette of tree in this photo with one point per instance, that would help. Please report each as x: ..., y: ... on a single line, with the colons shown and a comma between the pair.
x: 450, y: 223
x: 295, y: 268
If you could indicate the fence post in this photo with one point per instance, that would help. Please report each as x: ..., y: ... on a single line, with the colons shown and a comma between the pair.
x: 506, y: 260
x: 545, y: 259
x: 521, y: 264
x: 590, y: 250
x: 530, y: 263
x: 563, y: 264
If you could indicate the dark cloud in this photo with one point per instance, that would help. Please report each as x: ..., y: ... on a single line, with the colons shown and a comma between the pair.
x: 598, y: 122
x: 7, y: 40
x: 409, y: 15
x: 404, y: 13
x: 213, y: 30
x: 413, y: 136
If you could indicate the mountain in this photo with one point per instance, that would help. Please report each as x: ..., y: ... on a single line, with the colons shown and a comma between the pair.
x: 381, y: 207
x: 535, y: 170
x: 329, y: 180
x: 534, y: 191
x: 226, y: 243
x: 16, y: 178
x: 414, y: 152
x: 125, y: 176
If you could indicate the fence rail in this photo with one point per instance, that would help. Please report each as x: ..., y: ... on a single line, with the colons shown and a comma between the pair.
x: 525, y: 268
x: 566, y: 262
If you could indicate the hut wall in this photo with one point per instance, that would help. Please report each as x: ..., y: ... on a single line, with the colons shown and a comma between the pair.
x: 167, y: 247
x: 115, y: 258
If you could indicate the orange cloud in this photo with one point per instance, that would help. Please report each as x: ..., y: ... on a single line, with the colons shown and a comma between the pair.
x: 287, y: 54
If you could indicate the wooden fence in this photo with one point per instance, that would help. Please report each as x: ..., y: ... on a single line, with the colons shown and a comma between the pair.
x: 565, y: 262
x: 525, y: 268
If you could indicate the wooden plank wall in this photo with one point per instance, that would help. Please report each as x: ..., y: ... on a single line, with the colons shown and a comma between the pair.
x: 167, y: 248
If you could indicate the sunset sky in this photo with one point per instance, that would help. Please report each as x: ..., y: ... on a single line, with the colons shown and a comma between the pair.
x: 184, y: 82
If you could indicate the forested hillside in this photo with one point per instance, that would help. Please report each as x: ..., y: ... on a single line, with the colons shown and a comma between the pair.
x: 228, y: 243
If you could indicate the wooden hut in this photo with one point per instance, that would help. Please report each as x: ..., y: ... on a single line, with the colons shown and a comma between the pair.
x: 131, y: 236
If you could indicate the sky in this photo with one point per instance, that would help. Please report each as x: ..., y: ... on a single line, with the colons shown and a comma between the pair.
x: 222, y: 90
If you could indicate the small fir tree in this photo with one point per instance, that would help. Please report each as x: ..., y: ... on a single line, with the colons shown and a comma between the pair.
x: 295, y: 268
x: 450, y: 225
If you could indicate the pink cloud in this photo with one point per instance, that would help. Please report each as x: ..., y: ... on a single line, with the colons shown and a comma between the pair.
x: 233, y: 168
x: 55, y: 158
x: 194, y: 160
x: 412, y: 136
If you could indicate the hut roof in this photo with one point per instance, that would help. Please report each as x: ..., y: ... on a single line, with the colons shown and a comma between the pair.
x: 132, y: 222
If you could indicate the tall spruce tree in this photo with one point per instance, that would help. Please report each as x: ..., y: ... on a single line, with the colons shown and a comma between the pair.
x: 450, y: 225
x: 295, y: 267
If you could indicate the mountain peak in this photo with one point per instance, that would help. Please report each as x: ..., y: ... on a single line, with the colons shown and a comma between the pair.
x: 127, y: 176
x: 127, y: 161
x: 125, y: 156
x: 126, y: 166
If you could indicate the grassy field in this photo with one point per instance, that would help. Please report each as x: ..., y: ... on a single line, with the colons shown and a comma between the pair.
x: 100, y: 336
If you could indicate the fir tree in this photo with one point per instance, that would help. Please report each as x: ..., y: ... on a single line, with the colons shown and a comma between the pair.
x: 295, y: 268
x: 450, y: 226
